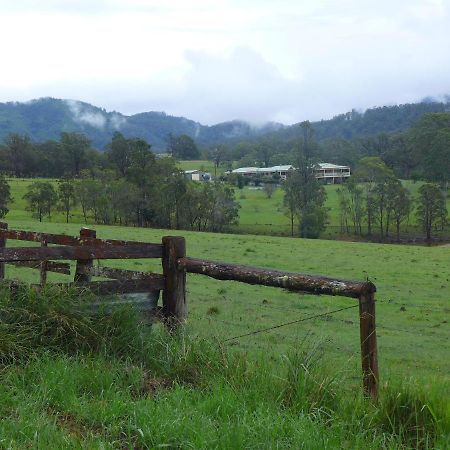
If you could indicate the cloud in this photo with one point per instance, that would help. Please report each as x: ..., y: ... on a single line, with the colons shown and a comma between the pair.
x: 227, y: 59
x: 80, y: 114
x: 117, y: 121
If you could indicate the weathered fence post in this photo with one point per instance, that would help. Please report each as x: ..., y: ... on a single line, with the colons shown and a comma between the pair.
x: 368, y: 336
x: 83, y: 265
x: 174, y: 293
x: 43, y: 267
x: 3, y: 226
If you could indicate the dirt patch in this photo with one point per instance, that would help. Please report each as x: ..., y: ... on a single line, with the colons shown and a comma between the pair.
x: 74, y: 425
x: 152, y: 386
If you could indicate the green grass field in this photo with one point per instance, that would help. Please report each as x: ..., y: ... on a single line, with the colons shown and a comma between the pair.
x: 91, y: 402
x: 48, y: 406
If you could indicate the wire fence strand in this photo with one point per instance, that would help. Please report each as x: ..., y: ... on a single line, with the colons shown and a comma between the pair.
x: 274, y: 327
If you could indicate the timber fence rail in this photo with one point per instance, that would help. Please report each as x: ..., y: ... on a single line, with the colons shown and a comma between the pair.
x: 172, y: 282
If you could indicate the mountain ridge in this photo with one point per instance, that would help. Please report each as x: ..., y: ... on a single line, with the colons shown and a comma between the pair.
x: 45, y: 118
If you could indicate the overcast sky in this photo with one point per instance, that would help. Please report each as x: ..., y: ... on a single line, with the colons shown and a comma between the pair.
x: 212, y: 61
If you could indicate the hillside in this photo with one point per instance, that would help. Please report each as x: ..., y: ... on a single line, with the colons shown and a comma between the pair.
x: 46, y: 118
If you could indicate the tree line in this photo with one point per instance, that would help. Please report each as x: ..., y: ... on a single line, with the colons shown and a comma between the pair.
x: 129, y: 185
x: 419, y: 153
x: 73, y: 153
x: 373, y: 196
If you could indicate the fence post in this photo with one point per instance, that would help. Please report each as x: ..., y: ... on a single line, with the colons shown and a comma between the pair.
x: 3, y: 226
x: 174, y: 294
x: 43, y: 267
x: 368, y: 337
x: 81, y: 275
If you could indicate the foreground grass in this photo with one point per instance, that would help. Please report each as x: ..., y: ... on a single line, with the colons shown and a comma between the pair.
x: 412, y: 298
x: 110, y: 382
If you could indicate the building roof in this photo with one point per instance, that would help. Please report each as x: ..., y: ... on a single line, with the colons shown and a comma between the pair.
x: 284, y: 168
x: 332, y: 166
x: 262, y: 169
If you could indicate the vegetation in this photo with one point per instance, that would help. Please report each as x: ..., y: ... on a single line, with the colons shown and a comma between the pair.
x: 41, y: 198
x: 5, y: 196
x: 108, y: 381
x: 304, y: 196
x: 431, y: 210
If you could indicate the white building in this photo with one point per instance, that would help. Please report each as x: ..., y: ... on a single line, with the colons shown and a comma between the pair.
x: 197, y: 175
x: 264, y: 171
x: 326, y: 172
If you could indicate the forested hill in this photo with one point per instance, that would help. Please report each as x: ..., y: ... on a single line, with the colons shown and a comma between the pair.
x: 46, y: 118
x: 385, y: 119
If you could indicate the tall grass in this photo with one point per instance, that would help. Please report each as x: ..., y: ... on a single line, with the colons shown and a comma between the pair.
x: 109, y: 381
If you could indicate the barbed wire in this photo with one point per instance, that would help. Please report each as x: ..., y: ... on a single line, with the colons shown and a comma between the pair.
x: 303, y: 319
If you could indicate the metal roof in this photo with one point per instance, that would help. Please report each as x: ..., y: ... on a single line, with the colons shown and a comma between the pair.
x: 284, y: 168
x: 331, y: 166
x: 263, y: 169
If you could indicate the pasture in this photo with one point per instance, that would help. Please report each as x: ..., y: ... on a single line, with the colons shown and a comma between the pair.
x: 240, y: 393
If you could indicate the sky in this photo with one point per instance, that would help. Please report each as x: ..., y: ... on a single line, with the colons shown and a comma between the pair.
x: 213, y: 61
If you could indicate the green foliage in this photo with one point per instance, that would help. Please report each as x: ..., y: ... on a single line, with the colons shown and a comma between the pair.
x: 183, y: 147
x: 66, y: 196
x: 5, y: 196
x: 431, y: 209
x: 304, y: 197
x: 75, y: 147
x: 431, y: 137
x: 41, y: 197
x: 20, y: 158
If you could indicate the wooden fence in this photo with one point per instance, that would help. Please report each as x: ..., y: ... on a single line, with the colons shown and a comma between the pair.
x: 172, y: 282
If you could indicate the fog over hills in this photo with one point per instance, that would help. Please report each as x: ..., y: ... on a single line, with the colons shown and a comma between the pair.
x: 46, y: 118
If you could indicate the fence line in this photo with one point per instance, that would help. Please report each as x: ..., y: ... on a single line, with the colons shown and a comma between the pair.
x: 172, y: 282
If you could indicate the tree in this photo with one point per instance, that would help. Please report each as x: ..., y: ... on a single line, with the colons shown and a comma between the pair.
x: 304, y: 189
x: 372, y: 170
x: 119, y: 152
x: 66, y: 196
x: 183, y: 147
x: 5, y: 197
x: 431, y: 141
x: 290, y: 199
x: 75, y: 147
x: 344, y: 209
x: 399, y: 205
x: 20, y: 155
x: 269, y: 189
x: 41, y: 197
x: 431, y: 209
x: 356, y: 204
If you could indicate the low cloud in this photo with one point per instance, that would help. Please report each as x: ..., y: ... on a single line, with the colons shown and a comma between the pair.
x: 117, y: 121
x: 80, y: 114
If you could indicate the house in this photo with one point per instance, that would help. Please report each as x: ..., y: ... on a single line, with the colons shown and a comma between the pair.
x: 197, y: 175
x: 332, y: 173
x: 325, y: 172
x: 281, y: 171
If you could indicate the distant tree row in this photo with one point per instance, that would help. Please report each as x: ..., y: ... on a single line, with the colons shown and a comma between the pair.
x: 375, y: 197
x: 143, y: 191
x: 22, y: 158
